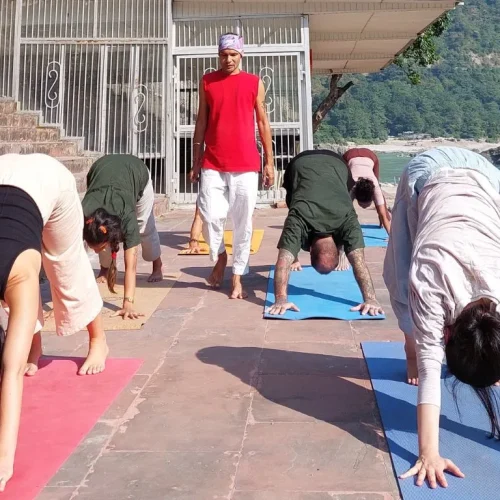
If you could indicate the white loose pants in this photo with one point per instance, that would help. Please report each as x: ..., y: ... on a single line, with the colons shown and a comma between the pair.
x: 52, y: 186
x: 150, y: 240
x: 234, y: 194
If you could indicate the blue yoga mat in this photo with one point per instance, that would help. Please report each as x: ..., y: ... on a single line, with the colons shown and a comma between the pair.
x: 320, y: 296
x: 463, y: 440
x: 374, y: 236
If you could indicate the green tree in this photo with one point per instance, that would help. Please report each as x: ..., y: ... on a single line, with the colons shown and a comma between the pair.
x: 423, y: 52
x: 457, y: 97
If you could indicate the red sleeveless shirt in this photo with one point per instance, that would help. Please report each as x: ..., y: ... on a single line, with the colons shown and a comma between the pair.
x: 230, y: 144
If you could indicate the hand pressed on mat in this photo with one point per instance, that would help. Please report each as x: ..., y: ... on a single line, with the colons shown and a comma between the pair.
x: 281, y: 306
x: 370, y: 307
x: 432, y: 468
x: 127, y: 311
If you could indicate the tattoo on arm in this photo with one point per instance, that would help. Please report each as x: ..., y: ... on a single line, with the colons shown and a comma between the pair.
x: 282, y: 274
x: 361, y: 273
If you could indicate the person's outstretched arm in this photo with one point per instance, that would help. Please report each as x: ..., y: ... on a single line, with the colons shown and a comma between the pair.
x: 383, y: 215
x: 370, y: 304
x: 289, y: 247
x: 281, y: 277
x: 22, y: 296
x: 128, y: 310
x: 427, y: 317
x: 430, y: 465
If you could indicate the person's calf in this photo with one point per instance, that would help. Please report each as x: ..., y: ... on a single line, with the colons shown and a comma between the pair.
x: 217, y: 275
x: 411, y: 360
x: 102, y: 276
x: 34, y: 356
x: 157, y: 274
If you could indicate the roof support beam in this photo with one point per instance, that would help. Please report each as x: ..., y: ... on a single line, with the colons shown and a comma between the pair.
x: 326, y: 36
x: 188, y: 9
x: 351, y: 57
x: 346, y: 71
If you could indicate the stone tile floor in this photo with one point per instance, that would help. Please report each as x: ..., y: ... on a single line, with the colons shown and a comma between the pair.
x: 228, y: 405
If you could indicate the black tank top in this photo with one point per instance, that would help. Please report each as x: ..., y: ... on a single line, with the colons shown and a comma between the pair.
x: 21, y: 227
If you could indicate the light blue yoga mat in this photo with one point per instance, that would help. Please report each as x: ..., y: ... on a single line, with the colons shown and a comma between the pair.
x: 462, y: 440
x: 374, y: 235
x: 320, y: 295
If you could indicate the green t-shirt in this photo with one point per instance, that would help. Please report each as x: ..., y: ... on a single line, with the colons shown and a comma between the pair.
x: 116, y: 183
x: 319, y: 203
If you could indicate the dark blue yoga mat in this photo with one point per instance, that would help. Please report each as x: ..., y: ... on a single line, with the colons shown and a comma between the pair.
x: 462, y: 440
x: 320, y: 296
x: 374, y: 235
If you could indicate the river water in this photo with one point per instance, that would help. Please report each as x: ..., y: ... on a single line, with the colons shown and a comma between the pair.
x: 391, y: 166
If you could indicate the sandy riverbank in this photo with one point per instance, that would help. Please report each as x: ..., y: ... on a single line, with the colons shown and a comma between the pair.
x: 417, y: 146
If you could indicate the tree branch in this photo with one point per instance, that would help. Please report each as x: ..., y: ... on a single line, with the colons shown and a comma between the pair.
x: 330, y: 100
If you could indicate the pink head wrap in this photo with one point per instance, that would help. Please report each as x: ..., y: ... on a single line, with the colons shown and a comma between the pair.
x: 232, y: 42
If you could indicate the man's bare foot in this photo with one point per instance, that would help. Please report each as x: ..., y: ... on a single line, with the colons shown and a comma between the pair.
x: 96, y: 358
x: 103, y: 275
x: 296, y: 266
x: 157, y: 274
x: 237, y: 291
x: 34, y: 355
x: 343, y: 264
x: 217, y: 275
x: 411, y: 361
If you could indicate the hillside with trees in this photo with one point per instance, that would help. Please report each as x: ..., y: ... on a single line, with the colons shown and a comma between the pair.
x: 458, y: 97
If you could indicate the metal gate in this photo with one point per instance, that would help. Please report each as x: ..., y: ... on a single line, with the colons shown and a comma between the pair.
x: 8, y: 28
x: 98, y: 70
x: 281, y: 75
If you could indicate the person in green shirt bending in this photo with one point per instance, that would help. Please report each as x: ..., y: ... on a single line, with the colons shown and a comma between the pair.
x: 321, y: 220
x: 118, y: 208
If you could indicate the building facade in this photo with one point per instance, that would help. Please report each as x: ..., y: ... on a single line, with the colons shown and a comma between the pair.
x: 121, y: 76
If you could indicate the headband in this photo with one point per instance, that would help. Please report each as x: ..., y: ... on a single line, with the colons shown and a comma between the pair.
x: 231, y: 42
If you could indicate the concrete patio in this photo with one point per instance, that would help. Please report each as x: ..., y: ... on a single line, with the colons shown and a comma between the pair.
x: 228, y: 405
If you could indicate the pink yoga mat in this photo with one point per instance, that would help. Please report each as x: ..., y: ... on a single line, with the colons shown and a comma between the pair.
x: 59, y: 410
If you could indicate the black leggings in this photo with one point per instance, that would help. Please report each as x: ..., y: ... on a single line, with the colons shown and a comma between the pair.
x: 21, y: 227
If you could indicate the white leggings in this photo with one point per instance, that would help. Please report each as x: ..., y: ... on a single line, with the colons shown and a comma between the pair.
x: 234, y: 194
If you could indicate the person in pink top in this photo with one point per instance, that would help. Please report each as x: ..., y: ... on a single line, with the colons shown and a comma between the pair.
x: 364, y: 166
x: 232, y: 102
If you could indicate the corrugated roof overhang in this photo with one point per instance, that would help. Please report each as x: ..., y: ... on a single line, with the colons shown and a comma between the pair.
x: 345, y: 37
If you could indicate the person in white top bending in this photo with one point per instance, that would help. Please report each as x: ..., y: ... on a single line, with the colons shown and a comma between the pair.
x: 442, y: 273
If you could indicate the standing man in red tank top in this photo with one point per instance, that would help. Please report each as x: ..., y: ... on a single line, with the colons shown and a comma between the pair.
x: 231, y: 102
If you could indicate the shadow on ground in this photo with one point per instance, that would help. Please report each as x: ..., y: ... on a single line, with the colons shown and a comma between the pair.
x: 323, y: 387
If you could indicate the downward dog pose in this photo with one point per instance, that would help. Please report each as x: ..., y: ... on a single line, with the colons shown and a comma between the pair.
x: 364, y: 166
x: 41, y: 220
x: 321, y: 218
x: 441, y: 269
x: 231, y: 101
x: 118, y: 207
